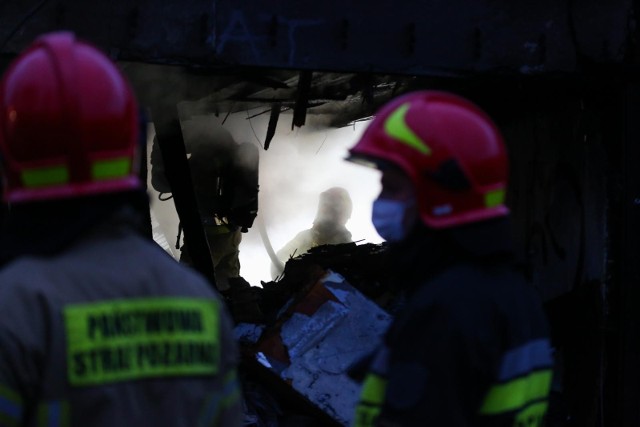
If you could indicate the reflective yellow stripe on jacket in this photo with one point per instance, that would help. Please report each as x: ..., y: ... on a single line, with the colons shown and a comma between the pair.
x: 371, y: 399
x: 523, y: 384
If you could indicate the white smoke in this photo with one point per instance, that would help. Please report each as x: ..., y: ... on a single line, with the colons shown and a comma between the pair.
x: 297, y: 167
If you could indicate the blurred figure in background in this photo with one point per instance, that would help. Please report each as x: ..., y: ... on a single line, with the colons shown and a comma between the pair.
x: 99, y: 325
x: 471, y: 345
x: 225, y: 182
x: 334, y: 210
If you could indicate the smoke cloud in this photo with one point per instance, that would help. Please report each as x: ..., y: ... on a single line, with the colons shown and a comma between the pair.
x: 297, y: 167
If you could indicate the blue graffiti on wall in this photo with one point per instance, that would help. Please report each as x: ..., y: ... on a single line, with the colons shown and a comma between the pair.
x: 237, y: 30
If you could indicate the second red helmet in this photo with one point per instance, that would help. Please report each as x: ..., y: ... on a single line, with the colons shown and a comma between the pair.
x: 451, y: 150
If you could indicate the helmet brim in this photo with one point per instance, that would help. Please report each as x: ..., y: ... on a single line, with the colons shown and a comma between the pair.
x: 369, y: 161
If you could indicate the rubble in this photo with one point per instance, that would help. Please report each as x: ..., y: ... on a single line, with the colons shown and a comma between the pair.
x: 322, y: 345
x: 309, y: 328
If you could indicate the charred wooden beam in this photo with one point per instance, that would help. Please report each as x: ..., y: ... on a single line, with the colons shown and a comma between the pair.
x: 169, y: 134
x: 302, y: 99
x: 273, y: 122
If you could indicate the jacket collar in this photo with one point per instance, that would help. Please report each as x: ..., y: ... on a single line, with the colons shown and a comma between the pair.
x: 427, y: 252
x: 47, y: 228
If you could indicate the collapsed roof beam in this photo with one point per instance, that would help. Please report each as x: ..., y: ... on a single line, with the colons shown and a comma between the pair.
x: 302, y: 99
x: 171, y: 143
x: 273, y: 122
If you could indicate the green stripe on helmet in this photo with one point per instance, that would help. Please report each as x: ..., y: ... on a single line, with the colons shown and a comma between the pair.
x: 111, y: 168
x: 45, y: 177
x: 396, y: 127
x: 494, y: 198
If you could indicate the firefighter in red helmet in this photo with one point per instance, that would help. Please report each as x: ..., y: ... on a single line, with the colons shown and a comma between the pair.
x: 470, y: 347
x: 99, y: 325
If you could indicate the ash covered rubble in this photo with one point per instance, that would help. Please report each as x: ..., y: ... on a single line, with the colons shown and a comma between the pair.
x: 299, y: 335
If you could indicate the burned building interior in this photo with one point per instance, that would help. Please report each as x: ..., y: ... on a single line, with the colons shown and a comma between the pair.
x: 560, y: 79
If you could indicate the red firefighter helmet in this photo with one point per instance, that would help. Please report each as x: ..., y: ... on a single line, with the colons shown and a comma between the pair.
x: 68, y: 123
x: 450, y: 149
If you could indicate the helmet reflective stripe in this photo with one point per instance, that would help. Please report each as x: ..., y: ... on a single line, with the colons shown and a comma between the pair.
x: 50, y: 176
x: 111, y: 168
x: 45, y: 176
x: 396, y: 127
x: 494, y: 198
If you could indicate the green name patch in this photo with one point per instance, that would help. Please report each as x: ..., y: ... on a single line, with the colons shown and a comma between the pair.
x: 122, y: 340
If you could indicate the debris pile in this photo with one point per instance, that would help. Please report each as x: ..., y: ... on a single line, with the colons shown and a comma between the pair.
x: 301, y: 334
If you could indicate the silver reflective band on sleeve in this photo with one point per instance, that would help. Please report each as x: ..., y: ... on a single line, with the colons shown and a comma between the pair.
x: 380, y: 363
x: 53, y: 414
x: 526, y: 358
x: 218, y: 402
x: 10, y: 407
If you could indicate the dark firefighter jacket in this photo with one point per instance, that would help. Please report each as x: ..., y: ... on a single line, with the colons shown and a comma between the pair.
x: 113, y: 332
x: 224, y: 175
x: 318, y: 235
x: 470, y: 349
